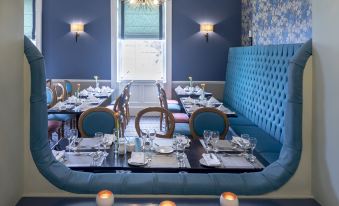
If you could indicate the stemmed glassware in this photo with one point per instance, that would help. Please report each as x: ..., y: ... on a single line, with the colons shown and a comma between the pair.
x: 215, y: 137
x: 207, y: 137
x: 244, y: 144
x: 100, y: 136
x: 147, y: 146
x: 152, y: 137
x: 252, y: 144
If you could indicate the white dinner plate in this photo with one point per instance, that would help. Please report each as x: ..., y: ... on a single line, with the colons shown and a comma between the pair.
x: 164, y: 150
x: 137, y: 164
x: 203, y: 163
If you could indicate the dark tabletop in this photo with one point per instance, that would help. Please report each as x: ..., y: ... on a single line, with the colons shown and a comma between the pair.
x: 194, y: 153
x: 155, y: 202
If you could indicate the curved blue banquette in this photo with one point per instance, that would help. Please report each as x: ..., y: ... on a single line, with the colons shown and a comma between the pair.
x: 263, y: 84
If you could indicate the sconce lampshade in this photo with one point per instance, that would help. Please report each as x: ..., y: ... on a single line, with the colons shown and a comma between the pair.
x: 206, y: 28
x: 77, y: 27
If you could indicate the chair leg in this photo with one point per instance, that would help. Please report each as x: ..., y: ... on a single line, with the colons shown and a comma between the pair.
x: 161, y: 119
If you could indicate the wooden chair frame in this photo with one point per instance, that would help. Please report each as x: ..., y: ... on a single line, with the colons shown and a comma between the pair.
x: 212, y: 110
x: 89, y: 111
x: 63, y: 92
x: 170, y: 126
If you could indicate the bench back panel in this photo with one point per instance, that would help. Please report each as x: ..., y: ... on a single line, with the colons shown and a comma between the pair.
x: 256, y: 84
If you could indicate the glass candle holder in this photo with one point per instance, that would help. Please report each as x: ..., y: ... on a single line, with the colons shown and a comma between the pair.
x: 167, y: 203
x: 105, y: 198
x: 229, y: 199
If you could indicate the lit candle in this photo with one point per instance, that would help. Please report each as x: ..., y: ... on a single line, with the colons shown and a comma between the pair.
x: 105, y: 198
x: 229, y: 199
x: 167, y: 203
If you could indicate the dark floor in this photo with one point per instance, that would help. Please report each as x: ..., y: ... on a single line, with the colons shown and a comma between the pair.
x: 155, y: 202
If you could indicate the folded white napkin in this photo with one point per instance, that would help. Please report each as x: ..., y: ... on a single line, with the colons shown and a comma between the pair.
x: 211, y: 160
x: 58, y: 154
x: 110, y: 138
x: 239, y: 141
x: 84, y: 93
x: 137, y: 158
x: 161, y: 142
x: 199, y: 92
x: 90, y: 89
x: 225, y: 109
x: 213, y: 100
x: 179, y: 90
x: 97, y: 90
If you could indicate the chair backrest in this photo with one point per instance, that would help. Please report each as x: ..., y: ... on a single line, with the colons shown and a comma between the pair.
x: 209, y: 119
x: 163, y: 99
x: 99, y: 119
x: 68, y: 88
x: 51, y: 97
x: 60, y: 91
x: 170, y: 124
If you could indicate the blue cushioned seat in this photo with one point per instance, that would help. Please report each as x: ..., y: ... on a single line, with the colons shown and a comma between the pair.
x: 182, y: 128
x: 240, y: 120
x: 174, y: 108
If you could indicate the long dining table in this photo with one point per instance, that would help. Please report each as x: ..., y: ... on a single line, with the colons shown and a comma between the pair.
x: 119, y: 163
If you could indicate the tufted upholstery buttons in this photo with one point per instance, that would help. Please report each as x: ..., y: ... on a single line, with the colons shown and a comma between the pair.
x: 256, y: 85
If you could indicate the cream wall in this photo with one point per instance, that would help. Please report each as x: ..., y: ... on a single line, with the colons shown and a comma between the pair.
x: 11, y: 116
x: 325, y: 178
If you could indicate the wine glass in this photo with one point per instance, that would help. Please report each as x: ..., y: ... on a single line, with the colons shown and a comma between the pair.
x: 207, y: 136
x: 152, y: 137
x: 244, y: 144
x: 214, y: 140
x: 252, y: 145
x: 99, y: 136
x: 74, y: 136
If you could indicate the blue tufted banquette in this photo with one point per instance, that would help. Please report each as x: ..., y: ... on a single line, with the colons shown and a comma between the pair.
x: 256, y: 87
x: 271, y: 178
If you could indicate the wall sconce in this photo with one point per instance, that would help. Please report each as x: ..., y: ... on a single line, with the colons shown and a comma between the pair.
x: 206, y: 28
x: 77, y: 28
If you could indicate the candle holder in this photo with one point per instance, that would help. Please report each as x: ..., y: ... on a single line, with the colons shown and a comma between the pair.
x: 229, y: 199
x: 167, y: 203
x: 105, y: 198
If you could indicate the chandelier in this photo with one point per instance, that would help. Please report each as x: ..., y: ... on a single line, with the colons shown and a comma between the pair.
x: 144, y: 3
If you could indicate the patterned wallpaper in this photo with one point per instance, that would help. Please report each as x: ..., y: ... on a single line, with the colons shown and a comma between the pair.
x: 276, y: 21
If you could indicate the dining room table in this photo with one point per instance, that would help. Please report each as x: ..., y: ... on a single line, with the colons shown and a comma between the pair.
x: 80, y: 156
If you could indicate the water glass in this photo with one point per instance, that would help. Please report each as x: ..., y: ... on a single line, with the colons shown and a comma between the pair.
x: 214, y: 140
x: 116, y: 141
x: 152, y: 137
x: 245, y: 144
x: 99, y: 136
x: 207, y: 137
x: 252, y: 145
x: 181, y: 155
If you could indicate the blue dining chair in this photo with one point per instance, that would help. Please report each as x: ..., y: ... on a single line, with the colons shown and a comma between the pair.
x: 51, y: 97
x: 51, y: 101
x: 209, y: 119
x: 99, y: 119
x: 68, y: 88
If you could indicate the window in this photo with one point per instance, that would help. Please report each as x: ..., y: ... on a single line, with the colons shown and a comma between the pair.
x: 141, y: 44
x: 29, y: 19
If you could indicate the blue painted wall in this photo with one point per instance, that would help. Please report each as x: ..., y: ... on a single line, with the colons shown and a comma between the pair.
x: 277, y: 21
x: 192, y: 56
x: 92, y: 54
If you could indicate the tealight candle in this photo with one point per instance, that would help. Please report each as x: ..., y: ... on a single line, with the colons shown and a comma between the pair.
x: 167, y: 203
x: 229, y: 199
x: 105, y: 198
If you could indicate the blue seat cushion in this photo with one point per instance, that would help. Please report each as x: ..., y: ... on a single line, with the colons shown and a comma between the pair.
x: 270, y: 157
x: 182, y: 128
x: 240, y: 120
x: 60, y: 117
x: 265, y: 144
x: 174, y: 108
